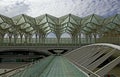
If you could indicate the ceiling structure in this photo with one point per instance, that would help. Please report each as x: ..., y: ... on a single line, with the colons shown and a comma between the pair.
x: 42, y: 25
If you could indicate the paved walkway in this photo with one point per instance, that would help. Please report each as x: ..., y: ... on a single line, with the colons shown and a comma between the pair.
x: 53, y: 66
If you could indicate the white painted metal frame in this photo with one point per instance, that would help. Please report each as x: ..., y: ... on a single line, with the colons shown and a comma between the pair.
x: 91, y: 56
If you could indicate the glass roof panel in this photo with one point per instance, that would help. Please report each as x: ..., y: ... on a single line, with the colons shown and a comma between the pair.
x: 16, y: 19
x: 25, y: 25
x: 39, y: 19
x: 63, y: 18
x: 22, y: 20
x: 91, y: 25
x: 6, y: 19
x: 75, y: 17
x: 85, y: 19
x: 54, y: 19
x: 33, y: 31
x: 52, y: 26
x: 118, y: 16
x: 1, y: 20
x: 88, y: 20
x: 64, y: 25
x: 49, y: 20
x: 65, y: 21
x: 99, y: 19
x: 4, y: 25
x: 28, y: 17
x: 29, y: 29
x: 45, y: 25
x: 73, y: 21
x: 68, y: 22
x: 109, y: 19
x: 92, y: 18
x: 86, y: 29
x: 111, y: 26
x: 46, y: 29
x: 116, y: 20
x: 94, y: 21
x: 44, y: 20
x: 11, y: 29
x: 105, y: 28
x: 70, y: 28
x: 118, y: 29
x: 71, y: 25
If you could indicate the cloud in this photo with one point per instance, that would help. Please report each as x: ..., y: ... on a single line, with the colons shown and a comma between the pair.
x: 59, y: 8
x: 53, y: 7
x: 13, y: 7
x: 101, y: 7
x: 81, y: 8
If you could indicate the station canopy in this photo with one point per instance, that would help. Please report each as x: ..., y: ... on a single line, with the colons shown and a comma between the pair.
x: 45, y: 24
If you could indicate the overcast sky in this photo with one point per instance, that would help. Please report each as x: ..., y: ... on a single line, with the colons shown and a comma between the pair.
x: 59, y: 7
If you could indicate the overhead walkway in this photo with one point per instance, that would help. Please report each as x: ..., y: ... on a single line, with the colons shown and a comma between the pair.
x: 53, y: 66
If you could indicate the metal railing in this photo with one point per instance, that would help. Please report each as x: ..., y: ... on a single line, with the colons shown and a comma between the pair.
x: 54, y: 41
x: 47, y: 42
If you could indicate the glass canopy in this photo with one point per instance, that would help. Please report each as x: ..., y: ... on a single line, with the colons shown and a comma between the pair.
x: 41, y: 26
